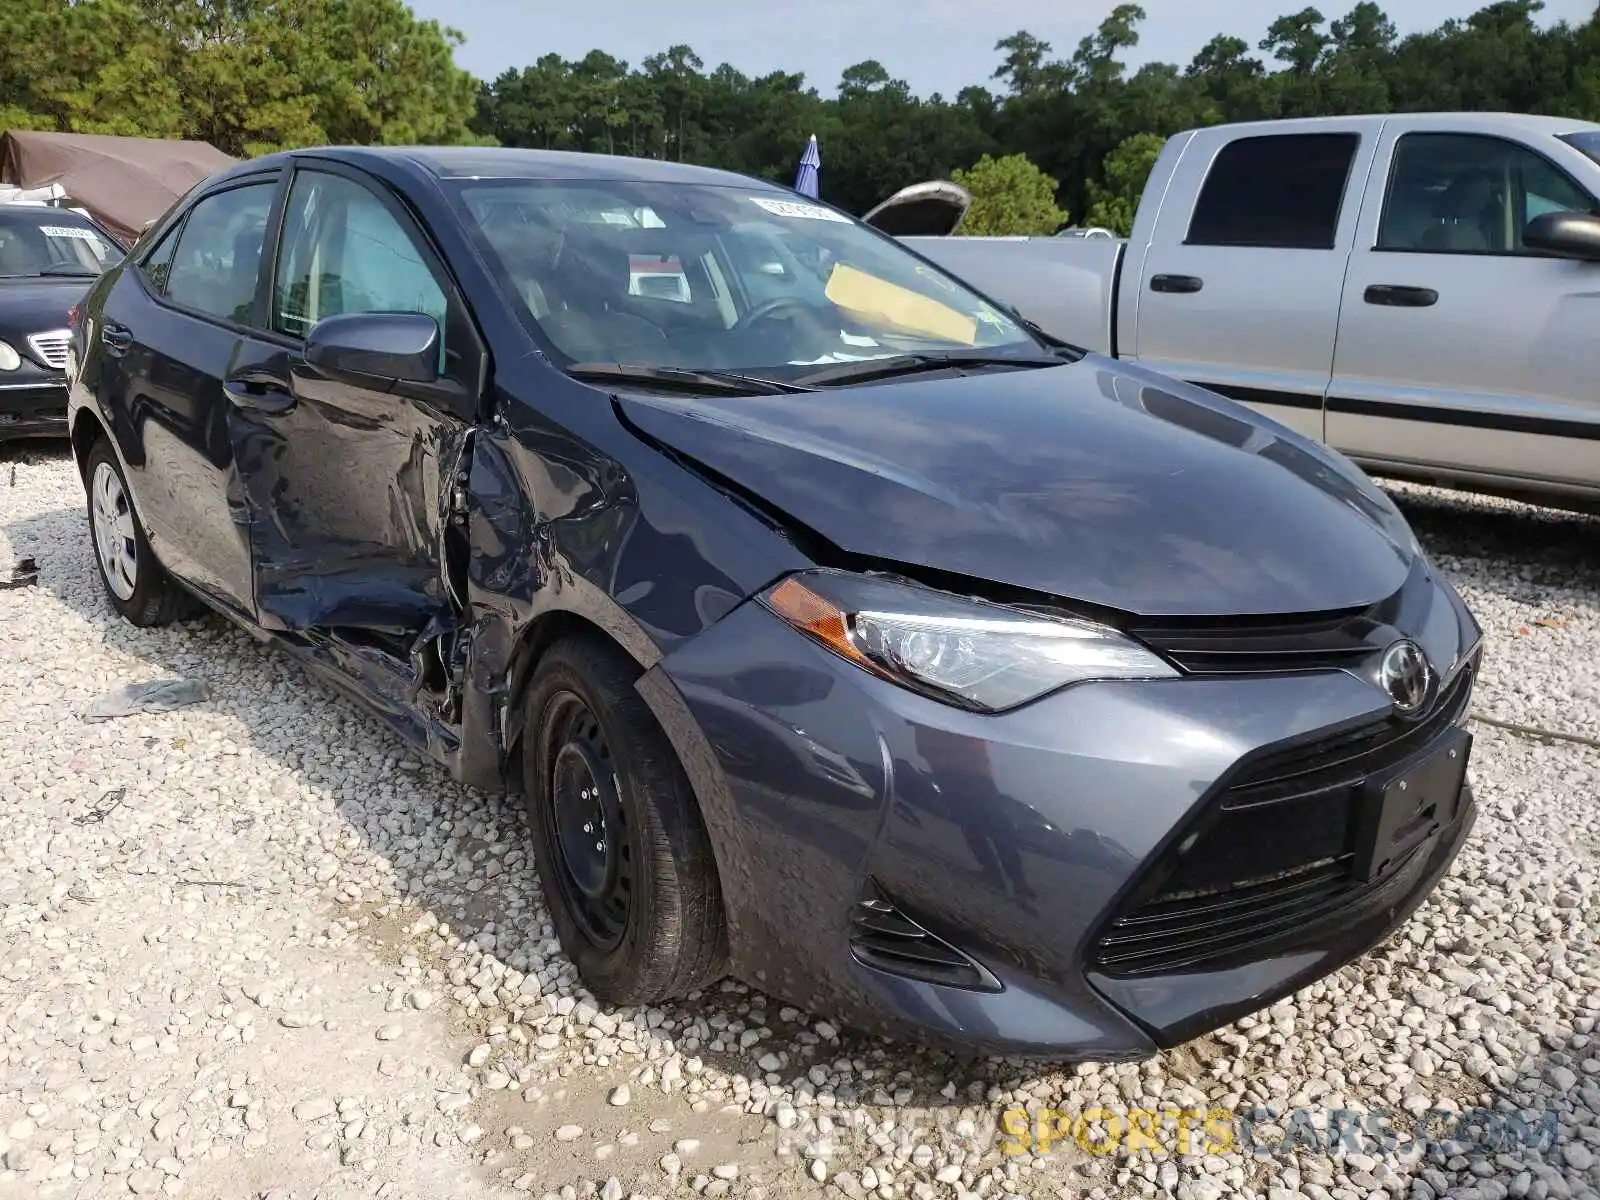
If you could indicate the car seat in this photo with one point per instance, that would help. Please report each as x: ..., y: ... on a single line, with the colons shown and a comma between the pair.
x: 588, y: 318
x: 1468, y: 216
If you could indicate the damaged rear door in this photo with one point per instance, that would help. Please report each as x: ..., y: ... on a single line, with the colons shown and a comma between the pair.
x: 351, y: 480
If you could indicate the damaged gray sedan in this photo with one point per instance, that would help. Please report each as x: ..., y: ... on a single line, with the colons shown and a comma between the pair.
x: 843, y: 632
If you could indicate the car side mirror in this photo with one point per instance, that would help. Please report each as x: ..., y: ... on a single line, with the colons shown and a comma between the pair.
x: 1566, y: 234
x: 392, y: 347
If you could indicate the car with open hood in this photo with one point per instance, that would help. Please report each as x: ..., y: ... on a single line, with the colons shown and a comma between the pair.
x: 841, y: 631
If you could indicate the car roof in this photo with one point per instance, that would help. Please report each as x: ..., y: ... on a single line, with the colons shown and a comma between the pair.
x: 46, y: 213
x: 496, y: 162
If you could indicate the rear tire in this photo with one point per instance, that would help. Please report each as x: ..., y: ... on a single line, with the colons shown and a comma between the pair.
x: 137, y: 586
x: 624, y: 859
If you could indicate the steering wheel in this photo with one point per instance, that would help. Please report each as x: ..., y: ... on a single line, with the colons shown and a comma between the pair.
x: 767, y: 308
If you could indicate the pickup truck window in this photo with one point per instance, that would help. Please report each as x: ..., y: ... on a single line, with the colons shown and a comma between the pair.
x: 1281, y: 190
x: 1456, y: 193
x: 1587, y: 140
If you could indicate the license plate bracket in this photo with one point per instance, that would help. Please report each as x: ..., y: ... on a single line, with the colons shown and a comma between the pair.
x: 1400, y: 810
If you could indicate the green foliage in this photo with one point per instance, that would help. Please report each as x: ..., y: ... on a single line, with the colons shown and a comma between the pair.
x: 248, y: 76
x: 1072, y: 115
x: 1114, y: 201
x: 253, y: 75
x: 1009, y: 196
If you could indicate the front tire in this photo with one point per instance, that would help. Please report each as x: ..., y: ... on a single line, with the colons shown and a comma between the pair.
x: 137, y: 586
x: 624, y: 859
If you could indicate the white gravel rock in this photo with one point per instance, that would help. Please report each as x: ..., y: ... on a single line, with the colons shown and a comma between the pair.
x: 191, y: 972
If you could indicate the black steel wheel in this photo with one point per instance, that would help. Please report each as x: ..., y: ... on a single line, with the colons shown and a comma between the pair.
x: 624, y: 860
x: 595, y: 873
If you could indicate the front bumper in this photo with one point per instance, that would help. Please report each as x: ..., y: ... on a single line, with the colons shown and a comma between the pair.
x: 840, y: 804
x: 33, y: 403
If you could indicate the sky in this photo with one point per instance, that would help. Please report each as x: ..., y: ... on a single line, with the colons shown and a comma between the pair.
x: 935, y: 45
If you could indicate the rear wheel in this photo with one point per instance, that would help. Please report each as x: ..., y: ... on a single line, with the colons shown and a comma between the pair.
x: 624, y: 859
x: 138, y: 587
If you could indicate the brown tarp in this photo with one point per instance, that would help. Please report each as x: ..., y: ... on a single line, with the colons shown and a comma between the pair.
x: 124, y: 182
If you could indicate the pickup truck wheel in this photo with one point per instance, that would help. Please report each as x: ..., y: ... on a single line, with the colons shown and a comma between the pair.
x: 138, y: 587
x: 624, y: 860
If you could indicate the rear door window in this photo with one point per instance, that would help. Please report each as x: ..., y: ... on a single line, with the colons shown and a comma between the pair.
x: 218, y: 253
x: 1283, y: 191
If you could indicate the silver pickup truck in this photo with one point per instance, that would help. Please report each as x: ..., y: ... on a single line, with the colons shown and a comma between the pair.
x: 1422, y: 292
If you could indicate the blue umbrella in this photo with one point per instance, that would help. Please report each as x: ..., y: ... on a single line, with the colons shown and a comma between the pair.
x: 805, y: 179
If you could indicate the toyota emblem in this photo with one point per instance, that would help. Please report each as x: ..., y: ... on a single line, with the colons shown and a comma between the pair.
x: 1406, y: 677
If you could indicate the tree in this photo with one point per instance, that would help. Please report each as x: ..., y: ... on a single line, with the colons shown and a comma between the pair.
x: 1027, y: 68
x: 1009, y: 196
x: 1115, y: 202
x: 256, y: 75
x: 1297, y: 41
x: 245, y: 75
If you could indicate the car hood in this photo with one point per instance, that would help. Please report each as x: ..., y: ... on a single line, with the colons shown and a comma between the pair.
x: 1093, y: 481
x: 33, y: 305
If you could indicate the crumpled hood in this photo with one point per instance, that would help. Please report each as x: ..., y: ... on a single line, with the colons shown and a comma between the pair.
x: 1096, y: 481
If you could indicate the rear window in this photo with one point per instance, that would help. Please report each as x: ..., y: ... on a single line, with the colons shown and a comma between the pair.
x: 1282, y: 190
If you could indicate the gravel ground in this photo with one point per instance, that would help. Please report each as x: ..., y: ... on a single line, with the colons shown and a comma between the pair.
x: 255, y: 947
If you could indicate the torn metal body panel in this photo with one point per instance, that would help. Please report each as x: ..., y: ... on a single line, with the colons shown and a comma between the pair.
x: 560, y: 530
x: 841, y: 632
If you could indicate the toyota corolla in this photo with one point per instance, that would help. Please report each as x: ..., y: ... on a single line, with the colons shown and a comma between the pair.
x: 843, y: 632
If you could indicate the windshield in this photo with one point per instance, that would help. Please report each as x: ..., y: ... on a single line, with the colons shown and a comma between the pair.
x: 719, y: 278
x: 50, y: 241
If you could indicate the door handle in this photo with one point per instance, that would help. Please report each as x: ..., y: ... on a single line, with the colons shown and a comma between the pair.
x: 256, y: 391
x: 117, y: 339
x: 1179, y: 284
x: 1394, y: 295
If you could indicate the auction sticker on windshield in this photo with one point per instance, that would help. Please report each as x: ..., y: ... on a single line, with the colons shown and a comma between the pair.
x: 69, y: 231
x: 803, y: 212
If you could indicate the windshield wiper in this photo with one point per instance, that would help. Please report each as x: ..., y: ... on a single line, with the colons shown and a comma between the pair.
x: 69, y: 269
x: 693, y: 379
x: 1067, y: 350
x: 912, y: 364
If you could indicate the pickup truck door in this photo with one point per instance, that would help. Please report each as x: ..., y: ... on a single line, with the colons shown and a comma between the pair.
x: 1460, y: 349
x: 1238, y: 285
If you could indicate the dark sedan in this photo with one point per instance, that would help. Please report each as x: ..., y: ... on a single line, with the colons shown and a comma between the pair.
x: 48, y: 258
x: 843, y: 632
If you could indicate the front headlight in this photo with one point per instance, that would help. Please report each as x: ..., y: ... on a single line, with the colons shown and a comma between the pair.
x: 10, y: 360
x: 971, y: 653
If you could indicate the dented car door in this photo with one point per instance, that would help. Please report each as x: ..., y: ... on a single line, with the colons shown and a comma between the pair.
x: 349, y: 480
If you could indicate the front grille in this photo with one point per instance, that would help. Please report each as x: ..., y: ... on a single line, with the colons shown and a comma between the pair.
x: 1271, y: 854
x: 1240, y: 647
x: 883, y: 936
x: 51, y: 347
